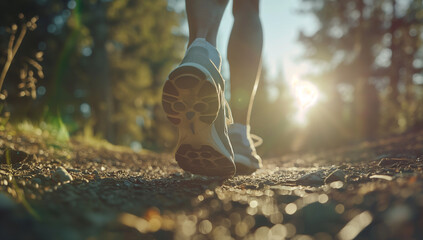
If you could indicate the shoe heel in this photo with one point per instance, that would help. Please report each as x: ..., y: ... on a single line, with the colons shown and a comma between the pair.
x: 204, y: 160
x: 188, y: 96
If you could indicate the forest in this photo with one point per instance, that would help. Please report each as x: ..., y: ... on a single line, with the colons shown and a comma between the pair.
x: 87, y: 151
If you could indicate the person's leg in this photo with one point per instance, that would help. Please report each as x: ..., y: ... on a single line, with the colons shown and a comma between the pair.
x: 244, y: 55
x: 193, y: 96
x: 204, y: 18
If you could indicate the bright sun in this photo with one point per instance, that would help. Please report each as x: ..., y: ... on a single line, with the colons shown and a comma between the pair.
x: 306, y: 95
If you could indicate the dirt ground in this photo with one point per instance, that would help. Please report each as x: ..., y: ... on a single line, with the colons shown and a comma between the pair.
x: 79, y: 190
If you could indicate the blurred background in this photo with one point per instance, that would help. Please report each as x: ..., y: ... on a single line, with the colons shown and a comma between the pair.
x: 334, y: 72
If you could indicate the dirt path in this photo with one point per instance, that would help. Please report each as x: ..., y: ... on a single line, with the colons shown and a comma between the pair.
x: 373, y: 190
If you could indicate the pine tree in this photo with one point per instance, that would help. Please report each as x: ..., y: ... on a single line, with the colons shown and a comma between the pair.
x: 361, y: 44
x: 105, y: 63
x: 143, y: 47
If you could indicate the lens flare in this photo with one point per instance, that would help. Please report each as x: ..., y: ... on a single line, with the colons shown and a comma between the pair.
x: 306, y: 95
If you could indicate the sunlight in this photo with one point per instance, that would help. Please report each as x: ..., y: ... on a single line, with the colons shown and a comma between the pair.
x: 306, y: 95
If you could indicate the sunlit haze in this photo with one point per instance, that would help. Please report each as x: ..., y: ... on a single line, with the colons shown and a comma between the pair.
x: 281, y: 52
x: 281, y: 25
x: 306, y: 95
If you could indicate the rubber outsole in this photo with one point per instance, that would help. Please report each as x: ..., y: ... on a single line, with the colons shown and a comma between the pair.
x: 241, y: 169
x: 191, y: 102
x: 204, y: 160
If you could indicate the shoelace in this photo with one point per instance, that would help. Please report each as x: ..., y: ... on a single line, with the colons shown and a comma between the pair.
x: 258, y: 141
x: 229, y: 118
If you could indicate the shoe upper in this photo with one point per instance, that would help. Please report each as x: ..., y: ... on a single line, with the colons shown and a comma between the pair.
x: 245, y: 156
x: 202, y: 52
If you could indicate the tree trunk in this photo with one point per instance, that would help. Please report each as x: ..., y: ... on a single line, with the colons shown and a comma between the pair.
x: 101, y: 77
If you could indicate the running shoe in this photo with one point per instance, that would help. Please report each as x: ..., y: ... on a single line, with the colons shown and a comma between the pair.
x: 245, y: 156
x: 194, y: 101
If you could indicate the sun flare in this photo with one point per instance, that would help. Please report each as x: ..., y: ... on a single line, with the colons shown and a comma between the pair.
x: 306, y: 95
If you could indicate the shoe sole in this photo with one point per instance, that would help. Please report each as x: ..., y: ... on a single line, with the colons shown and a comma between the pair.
x: 241, y: 169
x: 191, y: 101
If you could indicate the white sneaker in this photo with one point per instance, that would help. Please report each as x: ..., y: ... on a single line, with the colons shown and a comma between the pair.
x: 245, y: 156
x: 193, y: 100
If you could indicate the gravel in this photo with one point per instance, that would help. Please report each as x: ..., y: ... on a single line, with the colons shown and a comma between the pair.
x: 78, y: 190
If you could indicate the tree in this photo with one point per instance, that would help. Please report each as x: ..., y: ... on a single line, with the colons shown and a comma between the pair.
x: 105, y: 63
x: 143, y: 47
x: 358, y: 45
x: 271, y: 112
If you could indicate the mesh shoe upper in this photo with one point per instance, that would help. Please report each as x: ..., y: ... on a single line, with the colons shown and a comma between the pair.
x: 245, y: 155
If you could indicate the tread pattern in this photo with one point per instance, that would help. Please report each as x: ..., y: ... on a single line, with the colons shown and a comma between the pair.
x: 187, y: 95
x: 204, y: 161
x: 190, y: 101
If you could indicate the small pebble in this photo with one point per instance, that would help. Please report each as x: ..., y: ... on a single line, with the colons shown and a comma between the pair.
x: 311, y: 179
x: 61, y: 175
x: 337, y: 175
x: 4, y: 182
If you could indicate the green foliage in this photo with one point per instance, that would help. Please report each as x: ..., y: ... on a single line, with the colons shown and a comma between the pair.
x: 105, y: 63
x: 142, y: 49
